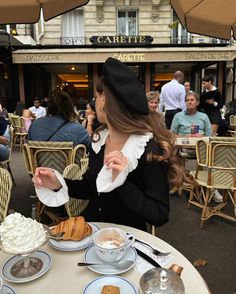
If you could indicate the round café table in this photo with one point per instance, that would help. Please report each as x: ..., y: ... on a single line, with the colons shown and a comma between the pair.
x: 65, y: 276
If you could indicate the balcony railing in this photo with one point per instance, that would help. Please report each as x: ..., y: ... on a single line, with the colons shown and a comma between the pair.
x: 192, y: 39
x: 73, y: 40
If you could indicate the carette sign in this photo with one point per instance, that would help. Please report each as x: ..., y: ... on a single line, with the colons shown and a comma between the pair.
x: 121, y: 40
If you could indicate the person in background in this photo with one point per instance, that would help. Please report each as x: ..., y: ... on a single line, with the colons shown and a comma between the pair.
x: 90, y: 122
x: 28, y: 118
x: 20, y: 106
x: 185, y: 120
x: 3, y: 111
x: 37, y: 109
x: 4, y: 139
x: 172, y: 98
x: 131, y: 161
x: 211, y: 102
x: 187, y: 87
x: 60, y: 124
x: 45, y: 102
x: 153, y: 99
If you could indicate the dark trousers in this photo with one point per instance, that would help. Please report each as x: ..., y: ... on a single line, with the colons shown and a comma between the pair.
x: 169, y: 116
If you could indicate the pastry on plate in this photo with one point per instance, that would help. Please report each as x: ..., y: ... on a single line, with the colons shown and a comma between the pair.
x: 75, y: 228
x: 109, y: 289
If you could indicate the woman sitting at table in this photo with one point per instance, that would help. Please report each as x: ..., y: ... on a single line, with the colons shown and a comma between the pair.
x: 90, y: 122
x: 132, y: 158
x: 184, y: 121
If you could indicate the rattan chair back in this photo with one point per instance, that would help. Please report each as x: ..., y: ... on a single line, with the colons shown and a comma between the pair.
x: 5, y: 192
x: 6, y: 163
x: 56, y: 155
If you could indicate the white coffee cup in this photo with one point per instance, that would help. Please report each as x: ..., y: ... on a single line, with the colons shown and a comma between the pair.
x: 111, y: 243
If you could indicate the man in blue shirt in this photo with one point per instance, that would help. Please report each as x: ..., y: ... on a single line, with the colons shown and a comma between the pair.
x: 184, y: 121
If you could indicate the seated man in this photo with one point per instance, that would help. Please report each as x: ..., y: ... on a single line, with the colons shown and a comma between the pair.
x: 37, y: 109
x: 191, y: 122
x: 4, y: 139
x: 184, y: 124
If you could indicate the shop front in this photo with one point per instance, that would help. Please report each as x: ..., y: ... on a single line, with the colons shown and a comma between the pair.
x: 78, y: 68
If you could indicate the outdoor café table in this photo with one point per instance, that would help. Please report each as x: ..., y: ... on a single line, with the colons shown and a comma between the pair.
x: 187, y: 142
x: 65, y: 277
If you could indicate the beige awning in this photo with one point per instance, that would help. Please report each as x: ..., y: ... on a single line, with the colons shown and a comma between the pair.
x: 99, y: 55
x: 28, y: 11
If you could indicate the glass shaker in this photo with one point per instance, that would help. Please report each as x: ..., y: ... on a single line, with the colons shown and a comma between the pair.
x: 161, y: 281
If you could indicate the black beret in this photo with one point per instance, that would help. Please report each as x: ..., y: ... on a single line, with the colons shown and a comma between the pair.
x: 125, y: 85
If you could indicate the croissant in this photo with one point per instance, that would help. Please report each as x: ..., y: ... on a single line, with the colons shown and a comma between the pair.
x: 75, y: 228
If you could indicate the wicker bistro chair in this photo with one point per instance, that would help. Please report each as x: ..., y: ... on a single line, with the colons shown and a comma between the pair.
x: 20, y: 132
x: 5, y: 192
x: 74, y: 172
x: 56, y: 155
x: 232, y: 125
x: 6, y: 163
x: 216, y: 170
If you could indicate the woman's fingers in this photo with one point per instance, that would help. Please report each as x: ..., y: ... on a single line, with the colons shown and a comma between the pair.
x: 115, y: 160
x: 45, y: 177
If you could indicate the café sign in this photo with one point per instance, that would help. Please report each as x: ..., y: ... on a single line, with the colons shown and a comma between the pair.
x: 121, y: 40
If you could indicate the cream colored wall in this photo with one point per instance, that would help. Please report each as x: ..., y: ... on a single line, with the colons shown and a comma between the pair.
x: 158, y: 30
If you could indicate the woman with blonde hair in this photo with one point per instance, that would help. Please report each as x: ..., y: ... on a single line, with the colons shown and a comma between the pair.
x: 132, y: 158
x: 153, y: 99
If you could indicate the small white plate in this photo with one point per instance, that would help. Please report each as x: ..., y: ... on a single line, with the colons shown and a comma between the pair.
x: 91, y: 257
x: 6, y: 289
x: 95, y: 286
x: 6, y: 269
x: 74, y: 245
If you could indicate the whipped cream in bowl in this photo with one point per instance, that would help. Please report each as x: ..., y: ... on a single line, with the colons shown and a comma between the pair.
x: 21, y: 235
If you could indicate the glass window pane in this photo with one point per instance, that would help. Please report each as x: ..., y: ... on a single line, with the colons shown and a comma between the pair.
x: 132, y: 23
x: 121, y: 25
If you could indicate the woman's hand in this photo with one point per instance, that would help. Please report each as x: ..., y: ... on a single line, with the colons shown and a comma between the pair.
x: 116, y: 162
x: 45, y: 177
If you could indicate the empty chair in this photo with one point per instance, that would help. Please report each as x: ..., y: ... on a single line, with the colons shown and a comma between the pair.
x: 20, y: 132
x: 216, y: 170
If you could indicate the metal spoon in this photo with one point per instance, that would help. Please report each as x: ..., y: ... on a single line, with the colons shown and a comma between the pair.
x: 120, y: 265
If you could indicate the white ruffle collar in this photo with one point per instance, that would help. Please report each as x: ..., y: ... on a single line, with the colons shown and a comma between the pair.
x: 133, y: 150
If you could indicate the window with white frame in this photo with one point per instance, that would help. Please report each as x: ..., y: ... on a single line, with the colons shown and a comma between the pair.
x: 127, y: 23
x: 179, y: 34
x: 73, y: 27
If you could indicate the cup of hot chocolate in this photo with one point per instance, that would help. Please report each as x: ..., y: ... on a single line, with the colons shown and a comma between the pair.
x: 111, y: 244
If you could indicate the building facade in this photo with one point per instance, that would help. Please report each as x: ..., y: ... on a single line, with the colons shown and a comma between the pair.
x: 69, y: 50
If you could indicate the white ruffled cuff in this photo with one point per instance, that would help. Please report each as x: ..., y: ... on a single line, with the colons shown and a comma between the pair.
x: 51, y: 198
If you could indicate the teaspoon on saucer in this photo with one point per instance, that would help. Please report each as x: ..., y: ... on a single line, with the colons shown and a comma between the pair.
x: 120, y: 265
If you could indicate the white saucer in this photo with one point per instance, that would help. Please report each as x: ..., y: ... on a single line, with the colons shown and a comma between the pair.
x: 6, y: 289
x: 74, y: 245
x: 6, y: 269
x: 95, y: 286
x: 90, y: 256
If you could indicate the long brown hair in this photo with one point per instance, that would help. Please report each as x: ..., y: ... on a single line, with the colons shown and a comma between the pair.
x: 120, y: 118
x: 60, y: 103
